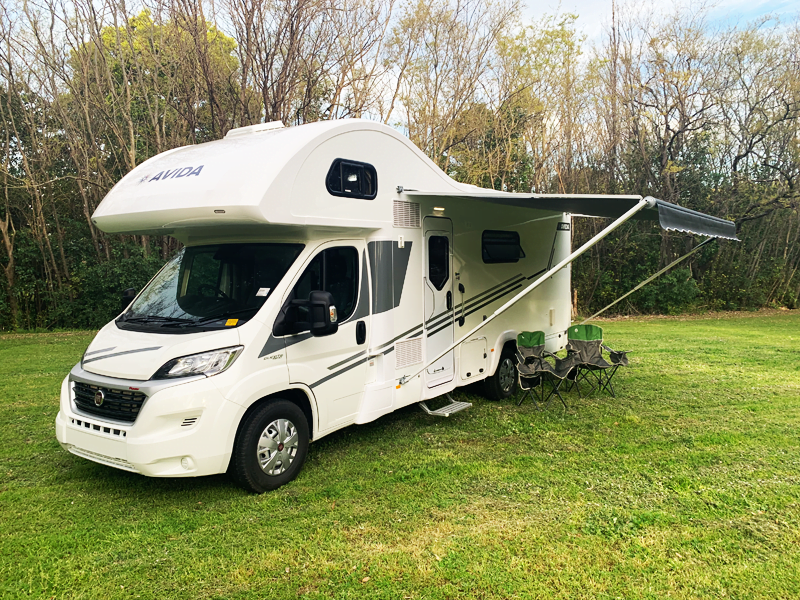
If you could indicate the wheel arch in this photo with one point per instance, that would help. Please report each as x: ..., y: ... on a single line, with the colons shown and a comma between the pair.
x: 297, y: 395
x: 506, y: 342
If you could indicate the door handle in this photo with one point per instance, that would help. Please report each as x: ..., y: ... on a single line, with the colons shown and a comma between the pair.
x: 361, y: 332
x: 461, y: 319
x: 449, y: 300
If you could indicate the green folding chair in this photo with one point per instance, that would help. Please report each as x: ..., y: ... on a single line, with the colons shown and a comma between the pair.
x: 534, y: 371
x: 585, y: 343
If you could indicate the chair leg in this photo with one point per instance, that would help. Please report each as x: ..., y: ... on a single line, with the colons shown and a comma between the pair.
x: 597, y: 385
x: 524, y: 395
x: 555, y: 385
x: 608, y: 385
x: 531, y: 391
x: 573, y: 383
x: 583, y: 376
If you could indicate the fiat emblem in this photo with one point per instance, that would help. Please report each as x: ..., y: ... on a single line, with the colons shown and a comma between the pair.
x: 99, y: 396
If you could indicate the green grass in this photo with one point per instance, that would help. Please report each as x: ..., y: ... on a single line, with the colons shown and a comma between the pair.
x: 685, y: 486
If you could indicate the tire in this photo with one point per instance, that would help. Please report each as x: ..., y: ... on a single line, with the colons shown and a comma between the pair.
x: 274, y: 434
x: 503, y: 383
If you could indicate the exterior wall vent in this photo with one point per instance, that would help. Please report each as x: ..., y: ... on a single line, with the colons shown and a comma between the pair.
x: 409, y: 352
x: 406, y: 214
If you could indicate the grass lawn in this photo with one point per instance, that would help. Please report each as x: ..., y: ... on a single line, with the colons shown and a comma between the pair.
x: 685, y: 486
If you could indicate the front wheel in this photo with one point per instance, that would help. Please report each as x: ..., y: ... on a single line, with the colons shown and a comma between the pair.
x: 270, y: 447
x: 503, y: 384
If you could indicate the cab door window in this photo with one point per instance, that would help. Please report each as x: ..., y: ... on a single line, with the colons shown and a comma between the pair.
x: 334, y: 270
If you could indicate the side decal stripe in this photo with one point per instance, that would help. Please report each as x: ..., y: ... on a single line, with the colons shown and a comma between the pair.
x: 536, y: 274
x: 93, y: 352
x: 347, y: 368
x: 274, y: 344
x: 477, y: 308
x: 472, y: 302
x: 122, y: 354
x: 493, y: 288
x: 346, y: 360
x: 392, y: 341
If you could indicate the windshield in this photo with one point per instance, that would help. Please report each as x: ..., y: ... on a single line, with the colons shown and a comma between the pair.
x: 216, y: 286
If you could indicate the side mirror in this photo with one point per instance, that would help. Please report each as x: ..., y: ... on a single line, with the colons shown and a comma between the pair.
x: 127, y: 297
x: 322, y: 314
x: 319, y: 316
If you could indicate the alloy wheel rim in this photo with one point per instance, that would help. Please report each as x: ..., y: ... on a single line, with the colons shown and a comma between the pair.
x: 506, y: 376
x: 277, y: 446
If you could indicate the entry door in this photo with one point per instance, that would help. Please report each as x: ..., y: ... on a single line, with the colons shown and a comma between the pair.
x: 334, y: 366
x: 438, y: 298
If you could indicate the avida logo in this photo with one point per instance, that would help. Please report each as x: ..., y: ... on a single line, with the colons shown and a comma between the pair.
x: 174, y: 173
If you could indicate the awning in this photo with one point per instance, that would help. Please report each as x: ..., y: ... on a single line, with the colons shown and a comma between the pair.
x: 670, y: 216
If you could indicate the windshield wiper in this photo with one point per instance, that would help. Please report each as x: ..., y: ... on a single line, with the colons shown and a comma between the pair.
x: 156, y: 318
x: 225, y: 315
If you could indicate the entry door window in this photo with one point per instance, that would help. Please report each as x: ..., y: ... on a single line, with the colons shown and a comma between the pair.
x: 438, y: 261
x: 334, y: 270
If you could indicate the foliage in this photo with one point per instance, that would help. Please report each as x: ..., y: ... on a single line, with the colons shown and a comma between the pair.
x: 664, y: 105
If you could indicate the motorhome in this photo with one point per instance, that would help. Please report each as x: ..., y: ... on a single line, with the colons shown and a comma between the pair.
x: 330, y: 274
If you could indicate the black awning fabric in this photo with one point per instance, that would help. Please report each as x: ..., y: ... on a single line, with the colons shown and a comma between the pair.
x: 670, y: 216
x: 678, y: 218
x: 611, y: 207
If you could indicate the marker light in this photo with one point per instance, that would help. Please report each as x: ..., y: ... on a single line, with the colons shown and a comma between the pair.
x: 206, y: 363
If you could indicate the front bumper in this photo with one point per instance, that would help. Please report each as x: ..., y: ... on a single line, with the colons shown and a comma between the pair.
x: 182, y: 430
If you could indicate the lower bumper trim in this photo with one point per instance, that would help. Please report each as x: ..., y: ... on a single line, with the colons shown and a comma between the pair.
x: 109, y: 461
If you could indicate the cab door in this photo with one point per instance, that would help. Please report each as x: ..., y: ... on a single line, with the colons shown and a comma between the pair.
x: 334, y: 366
x: 438, y: 290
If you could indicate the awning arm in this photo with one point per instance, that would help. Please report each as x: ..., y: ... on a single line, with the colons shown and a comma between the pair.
x: 641, y: 204
x: 649, y: 279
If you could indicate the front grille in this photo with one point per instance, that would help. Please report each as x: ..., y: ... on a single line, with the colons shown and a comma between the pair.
x: 120, y: 405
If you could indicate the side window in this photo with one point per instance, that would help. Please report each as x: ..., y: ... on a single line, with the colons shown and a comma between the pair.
x: 334, y: 270
x: 352, y: 179
x: 438, y: 260
x: 501, y: 247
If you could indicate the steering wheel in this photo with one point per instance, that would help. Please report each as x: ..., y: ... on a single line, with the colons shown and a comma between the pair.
x: 214, y: 291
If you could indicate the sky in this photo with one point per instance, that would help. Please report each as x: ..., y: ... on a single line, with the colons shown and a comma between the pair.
x: 594, y: 15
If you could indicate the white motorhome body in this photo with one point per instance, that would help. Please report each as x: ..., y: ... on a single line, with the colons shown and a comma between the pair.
x: 414, y: 262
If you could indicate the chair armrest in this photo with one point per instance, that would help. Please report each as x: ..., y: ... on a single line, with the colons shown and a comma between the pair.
x: 611, y: 351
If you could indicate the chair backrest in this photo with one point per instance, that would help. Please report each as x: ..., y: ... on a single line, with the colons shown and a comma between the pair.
x: 585, y: 333
x: 586, y: 339
x: 530, y: 339
x: 530, y: 345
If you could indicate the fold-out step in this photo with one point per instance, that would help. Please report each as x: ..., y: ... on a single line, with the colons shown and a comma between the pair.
x: 447, y: 409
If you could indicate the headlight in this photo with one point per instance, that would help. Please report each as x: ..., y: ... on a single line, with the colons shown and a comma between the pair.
x: 206, y: 363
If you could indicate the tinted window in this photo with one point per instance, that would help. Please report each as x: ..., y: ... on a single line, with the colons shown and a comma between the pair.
x: 352, y: 179
x: 501, y: 247
x: 438, y: 260
x: 334, y: 270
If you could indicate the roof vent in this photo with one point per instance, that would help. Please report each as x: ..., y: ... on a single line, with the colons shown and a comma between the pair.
x: 257, y: 128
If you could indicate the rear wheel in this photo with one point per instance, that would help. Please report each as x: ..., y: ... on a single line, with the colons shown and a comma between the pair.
x: 503, y: 384
x: 270, y: 447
